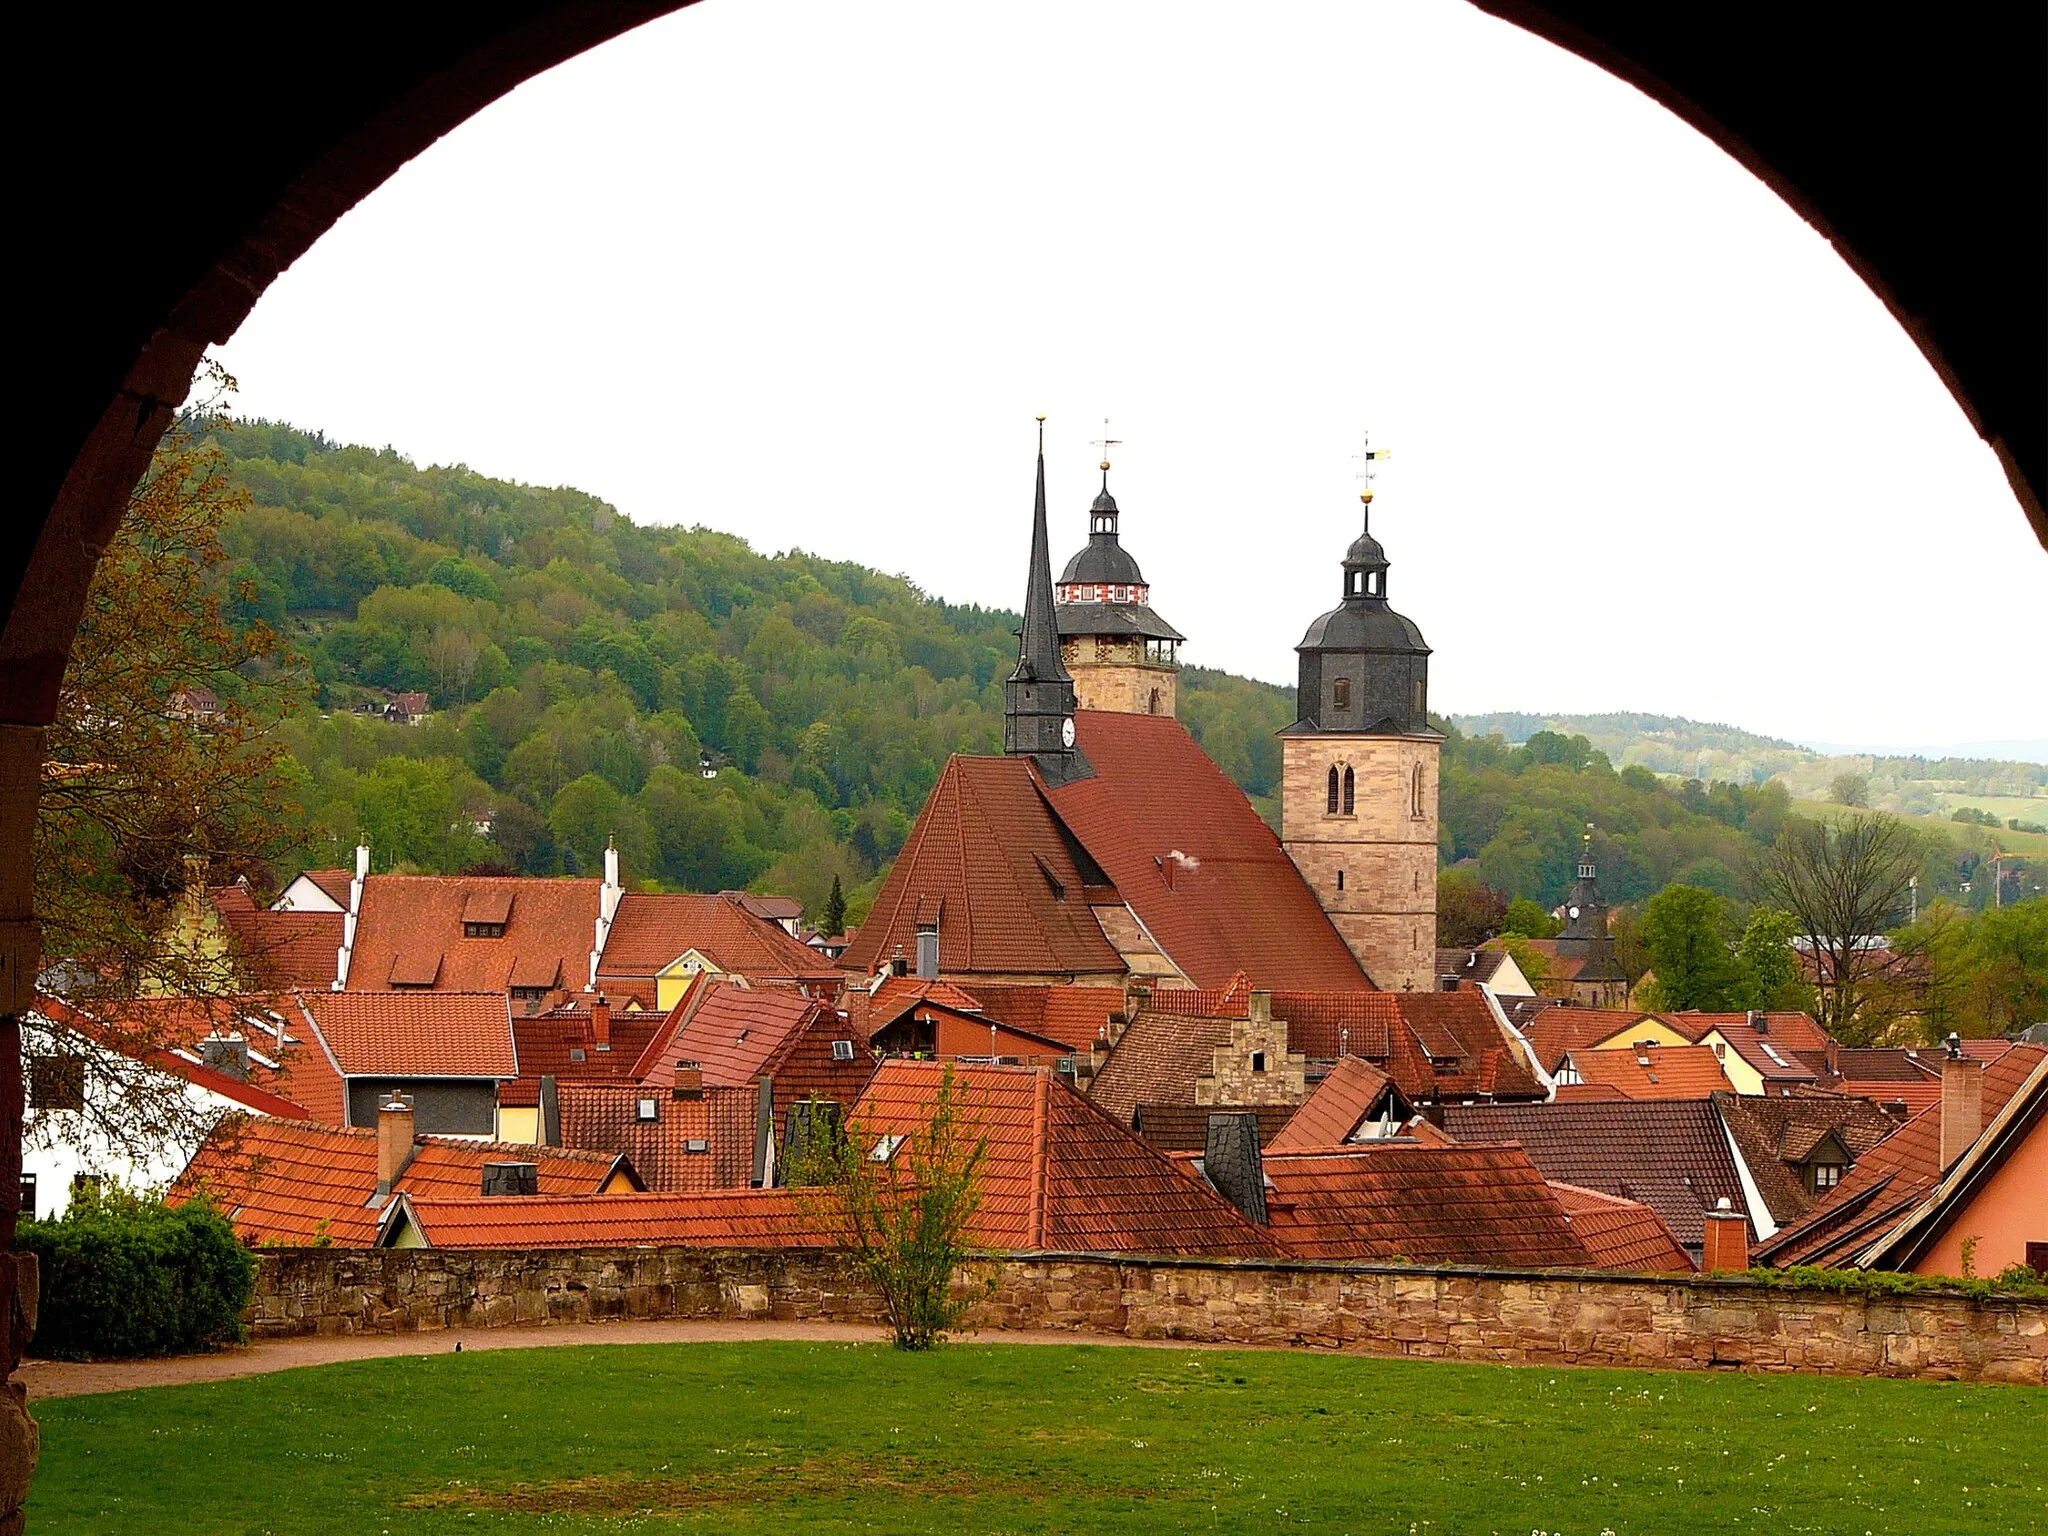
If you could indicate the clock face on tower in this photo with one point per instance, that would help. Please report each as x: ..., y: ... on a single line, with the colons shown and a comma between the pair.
x: 1067, y: 731
x: 1572, y: 911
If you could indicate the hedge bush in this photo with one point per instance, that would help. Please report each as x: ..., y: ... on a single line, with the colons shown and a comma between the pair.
x: 127, y: 1275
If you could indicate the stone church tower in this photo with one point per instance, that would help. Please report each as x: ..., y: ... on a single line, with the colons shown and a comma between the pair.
x: 1122, y: 655
x: 1358, y: 806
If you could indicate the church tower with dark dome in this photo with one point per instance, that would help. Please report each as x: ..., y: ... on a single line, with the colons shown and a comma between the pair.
x: 1122, y: 655
x: 1358, y: 799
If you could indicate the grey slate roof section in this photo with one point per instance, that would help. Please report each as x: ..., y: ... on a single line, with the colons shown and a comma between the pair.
x: 1114, y: 619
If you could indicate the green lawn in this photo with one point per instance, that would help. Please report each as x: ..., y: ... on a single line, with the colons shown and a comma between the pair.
x: 794, y: 1438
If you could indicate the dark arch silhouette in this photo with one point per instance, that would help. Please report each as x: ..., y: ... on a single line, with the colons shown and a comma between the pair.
x: 1915, y: 143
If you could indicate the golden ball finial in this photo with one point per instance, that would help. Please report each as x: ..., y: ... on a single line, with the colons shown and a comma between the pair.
x: 1366, y: 497
x: 1105, y: 466
x: 1041, y: 418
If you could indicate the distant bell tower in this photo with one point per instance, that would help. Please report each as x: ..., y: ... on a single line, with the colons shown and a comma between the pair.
x: 1600, y: 981
x: 1123, y: 656
x: 1358, y: 798
x: 1038, y: 698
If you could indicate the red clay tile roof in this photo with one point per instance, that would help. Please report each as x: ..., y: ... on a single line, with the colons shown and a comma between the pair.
x: 1009, y: 883
x: 280, y: 949
x: 1556, y: 1031
x: 549, y: 1042
x: 1157, y: 1060
x: 755, y: 1218
x: 1239, y: 904
x: 1891, y: 1178
x: 1346, y: 1096
x: 1059, y: 1173
x: 651, y: 930
x: 1185, y: 1127
x: 334, y: 883
x: 1621, y: 1234
x: 1671, y: 1154
x: 1788, y: 1031
x: 691, y: 1144
x: 1072, y: 1015
x: 281, y: 1180
x: 1464, y: 1204
x: 289, y: 1077
x: 1655, y: 1071
x: 429, y: 1034
x: 410, y: 927
x: 734, y: 1032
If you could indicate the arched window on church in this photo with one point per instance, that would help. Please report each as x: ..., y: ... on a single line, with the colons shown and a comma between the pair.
x: 1417, y: 807
x: 1153, y: 707
x: 1333, y: 791
x: 1350, y: 791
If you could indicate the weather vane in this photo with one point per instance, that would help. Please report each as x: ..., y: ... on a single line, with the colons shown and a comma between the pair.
x: 1105, y: 443
x: 1368, y: 463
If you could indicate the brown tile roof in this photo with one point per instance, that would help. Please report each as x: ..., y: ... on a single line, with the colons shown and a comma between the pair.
x: 1890, y: 1179
x: 1347, y: 1095
x: 1774, y: 1134
x: 410, y: 928
x: 280, y: 950
x: 415, y: 1034
x: 651, y: 930
x: 1185, y: 1127
x: 1239, y: 904
x: 1789, y: 1031
x: 1671, y: 1154
x: 1473, y: 965
x: 1464, y: 1204
x: 289, y: 1181
x: 1655, y: 1071
x: 691, y: 1144
x: 1059, y: 1173
x: 1009, y: 884
x: 1156, y: 1060
x: 1621, y: 1234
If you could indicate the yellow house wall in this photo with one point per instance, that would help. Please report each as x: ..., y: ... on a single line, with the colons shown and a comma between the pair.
x: 1745, y: 1078
x: 1656, y: 1031
x: 1386, y: 910
x: 518, y: 1125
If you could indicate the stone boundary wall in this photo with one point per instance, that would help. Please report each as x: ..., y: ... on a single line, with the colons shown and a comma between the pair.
x: 1531, y: 1317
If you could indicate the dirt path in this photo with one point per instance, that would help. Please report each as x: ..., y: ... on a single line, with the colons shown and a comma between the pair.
x: 64, y: 1378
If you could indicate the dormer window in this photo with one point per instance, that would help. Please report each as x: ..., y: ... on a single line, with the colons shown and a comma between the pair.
x: 1824, y: 1177
x: 1340, y: 693
x: 483, y: 930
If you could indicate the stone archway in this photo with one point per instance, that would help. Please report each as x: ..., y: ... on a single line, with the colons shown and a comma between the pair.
x: 1934, y: 199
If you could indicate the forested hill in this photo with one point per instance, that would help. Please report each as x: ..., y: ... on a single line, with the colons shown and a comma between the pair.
x: 580, y: 665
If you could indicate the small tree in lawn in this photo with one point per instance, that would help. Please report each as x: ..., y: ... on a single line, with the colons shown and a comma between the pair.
x: 898, y: 1204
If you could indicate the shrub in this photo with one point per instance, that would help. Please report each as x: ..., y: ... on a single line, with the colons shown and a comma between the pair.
x: 127, y: 1275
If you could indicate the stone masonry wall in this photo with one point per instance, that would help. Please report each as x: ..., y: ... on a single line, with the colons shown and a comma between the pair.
x: 1520, y: 1317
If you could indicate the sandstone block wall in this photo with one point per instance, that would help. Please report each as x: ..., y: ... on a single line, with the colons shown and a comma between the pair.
x: 1522, y: 1317
x: 1125, y: 684
x: 1373, y: 869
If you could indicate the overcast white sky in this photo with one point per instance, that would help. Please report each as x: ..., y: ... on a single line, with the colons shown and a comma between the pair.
x: 806, y: 271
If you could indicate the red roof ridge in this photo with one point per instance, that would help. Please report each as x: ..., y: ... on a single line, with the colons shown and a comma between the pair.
x: 1035, y: 1221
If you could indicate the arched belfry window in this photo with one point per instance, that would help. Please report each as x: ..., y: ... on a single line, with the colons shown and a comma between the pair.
x: 1333, y: 791
x: 1350, y: 791
x: 1418, y: 808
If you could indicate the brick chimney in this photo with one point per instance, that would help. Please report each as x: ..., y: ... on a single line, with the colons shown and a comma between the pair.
x: 1234, y: 1165
x: 1962, y: 1102
x: 1727, y: 1244
x: 601, y: 1023
x: 394, y: 1142
x: 689, y: 1080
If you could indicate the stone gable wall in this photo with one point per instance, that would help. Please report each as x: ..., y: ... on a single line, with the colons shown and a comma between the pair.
x: 1519, y: 1317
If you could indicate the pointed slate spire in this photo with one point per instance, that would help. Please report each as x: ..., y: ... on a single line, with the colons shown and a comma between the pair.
x: 1038, y: 699
x: 1038, y: 648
